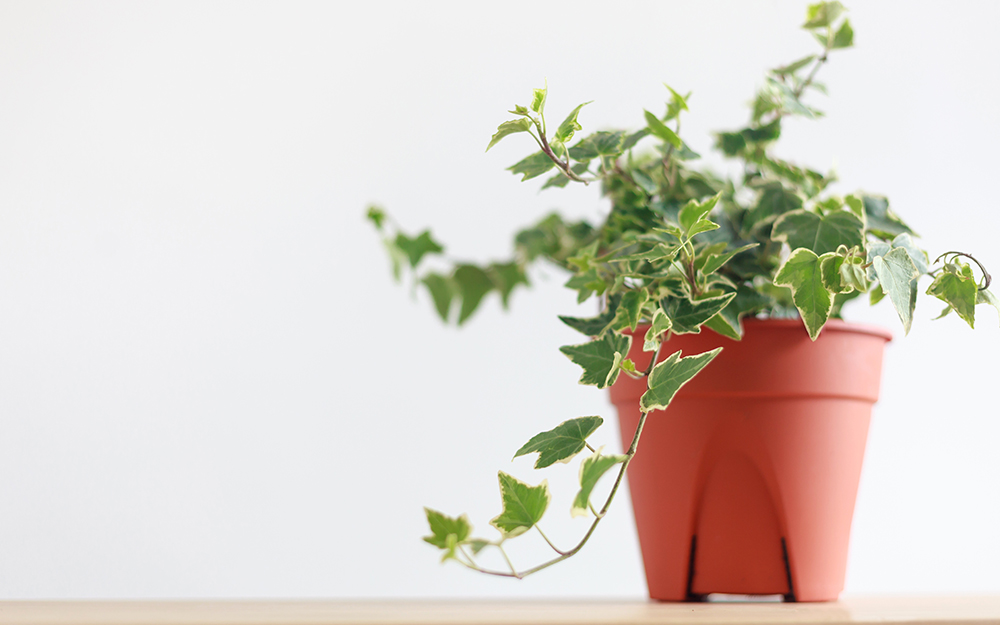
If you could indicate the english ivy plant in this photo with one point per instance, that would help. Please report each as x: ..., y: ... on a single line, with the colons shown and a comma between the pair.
x: 680, y: 250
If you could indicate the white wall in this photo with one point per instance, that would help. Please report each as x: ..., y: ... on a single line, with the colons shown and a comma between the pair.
x: 209, y: 385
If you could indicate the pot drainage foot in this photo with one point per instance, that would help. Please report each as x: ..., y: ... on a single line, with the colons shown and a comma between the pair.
x: 693, y: 597
x: 790, y: 597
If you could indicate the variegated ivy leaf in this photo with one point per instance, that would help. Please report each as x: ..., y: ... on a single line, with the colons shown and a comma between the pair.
x: 447, y: 532
x: 986, y: 297
x: 508, y: 128
x: 897, y: 276
x: 660, y: 324
x: 630, y: 309
x: 566, y: 130
x: 693, y: 216
x: 822, y: 14
x: 600, y: 144
x: 660, y: 251
x: 523, y: 505
x: 852, y: 275
x: 669, y: 376
x: 819, y: 233
x: 562, y: 442
x: 600, y: 359
x: 880, y: 220
x: 917, y: 255
x: 720, y: 324
x: 532, y: 166
x: 591, y: 470
x: 661, y: 130
x: 958, y: 289
x: 801, y: 272
x: 538, y: 100
x: 595, y: 326
x: 687, y: 316
x: 829, y: 267
x: 714, y: 262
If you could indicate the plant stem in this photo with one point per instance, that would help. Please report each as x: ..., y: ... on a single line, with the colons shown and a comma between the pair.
x: 987, y: 279
x: 554, y: 548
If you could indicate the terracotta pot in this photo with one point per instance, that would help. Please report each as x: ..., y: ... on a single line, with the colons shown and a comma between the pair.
x: 747, y: 483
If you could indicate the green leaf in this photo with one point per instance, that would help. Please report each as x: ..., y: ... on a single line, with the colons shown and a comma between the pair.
x: 660, y: 129
x: 561, y: 180
x: 721, y: 325
x: 442, y: 292
x: 802, y: 273
x: 795, y: 66
x: 670, y: 375
x: 898, y: 277
x: 984, y: 296
x: 599, y: 144
x: 505, y: 277
x: 730, y: 143
x: 562, y: 442
x: 595, y: 326
x: 600, y: 367
x: 958, y: 290
x: 693, y: 217
x: 660, y: 324
x: 591, y: 470
x: 763, y: 134
x: 538, y: 100
x: 844, y: 37
x: 447, y: 532
x: 523, y: 505
x: 566, y: 130
x: 876, y: 295
x: 532, y: 166
x: 660, y: 251
x: 416, y: 249
x: 509, y: 128
x: 396, y: 256
x: 473, y: 284
x: 716, y: 261
x: 917, y: 255
x: 822, y: 14
x: 687, y: 316
x: 821, y: 234
x: 376, y: 215
x: 829, y: 268
x: 881, y: 221
x: 630, y: 309
x: 783, y: 96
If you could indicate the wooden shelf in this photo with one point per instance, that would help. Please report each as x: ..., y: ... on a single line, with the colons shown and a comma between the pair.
x: 854, y: 611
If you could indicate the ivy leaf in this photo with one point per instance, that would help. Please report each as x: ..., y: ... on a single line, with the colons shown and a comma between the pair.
x: 802, y: 273
x: 693, y: 216
x: 844, y: 37
x: 716, y: 261
x: 594, y: 326
x: 532, y: 166
x: 720, y: 324
x: 599, y: 144
x: 687, y: 316
x: 659, y: 251
x: 505, y: 277
x: 560, y: 180
x: 660, y: 129
x: 562, y: 442
x: 442, y: 292
x: 376, y: 215
x: 660, y: 324
x: 523, y: 505
x: 984, y: 296
x: 591, y: 470
x: 416, y: 249
x: 598, y: 358
x: 882, y: 222
x: 447, y: 532
x: 630, y: 309
x: 958, y: 290
x: 670, y: 375
x: 876, y: 295
x: 898, y: 277
x: 793, y: 67
x: 508, y: 128
x: 821, y: 234
x: 473, y: 284
x: 396, y: 256
x: 822, y: 14
x: 917, y: 255
x: 830, y: 265
x: 538, y: 100
x: 566, y: 130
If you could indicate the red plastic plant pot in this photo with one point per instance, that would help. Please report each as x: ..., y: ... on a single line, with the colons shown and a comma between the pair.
x: 746, y: 484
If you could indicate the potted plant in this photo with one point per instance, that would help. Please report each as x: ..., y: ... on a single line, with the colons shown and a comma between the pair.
x: 720, y: 299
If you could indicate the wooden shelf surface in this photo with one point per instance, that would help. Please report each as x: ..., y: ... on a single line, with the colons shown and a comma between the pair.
x: 853, y: 611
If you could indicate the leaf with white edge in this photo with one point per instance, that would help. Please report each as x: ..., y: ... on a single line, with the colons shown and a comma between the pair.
x: 538, y: 100
x: 628, y: 365
x: 569, y: 126
x: 898, y: 277
x: 523, y: 505
x: 416, y: 248
x: 829, y: 267
x: 447, y: 532
x: 876, y: 248
x: 630, y: 309
x: 595, y: 326
x: 442, y: 292
x: 801, y: 272
x: 822, y: 14
x: 686, y: 316
x: 693, y: 213
x: 602, y: 143
x: 986, y: 297
x: 660, y: 251
x: 852, y: 275
x: 660, y: 325
x: 917, y: 255
x: 478, y: 544
x: 532, y: 166
x: 661, y: 130
x: 821, y: 234
x: 591, y: 470
x: 561, y: 443
x: 560, y: 179
x: 722, y: 325
x: 600, y: 358
x: 958, y: 290
x: 473, y: 284
x: 716, y: 261
x: 669, y: 376
x: 881, y: 221
x: 508, y: 128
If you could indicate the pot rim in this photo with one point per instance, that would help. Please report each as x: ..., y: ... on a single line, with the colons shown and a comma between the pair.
x: 832, y: 325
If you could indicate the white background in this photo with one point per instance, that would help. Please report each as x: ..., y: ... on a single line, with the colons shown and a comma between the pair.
x: 209, y: 384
